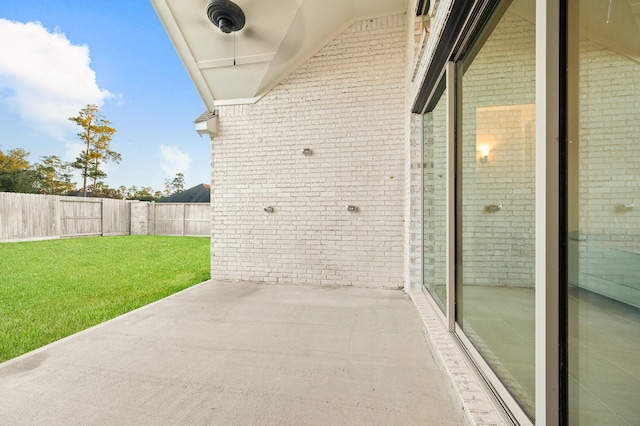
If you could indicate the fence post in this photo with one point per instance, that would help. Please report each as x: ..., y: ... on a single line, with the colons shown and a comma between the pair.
x: 101, y: 217
x: 184, y: 219
x: 57, y: 216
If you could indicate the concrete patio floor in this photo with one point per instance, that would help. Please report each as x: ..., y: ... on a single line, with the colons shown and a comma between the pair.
x: 224, y: 353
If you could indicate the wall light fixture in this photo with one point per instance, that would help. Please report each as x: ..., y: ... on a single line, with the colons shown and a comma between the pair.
x: 484, y: 153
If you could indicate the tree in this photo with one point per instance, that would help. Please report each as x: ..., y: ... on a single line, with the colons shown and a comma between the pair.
x: 54, y: 176
x: 174, y: 186
x: 65, y: 174
x: 14, y: 160
x: 103, y: 191
x: 145, y: 193
x: 96, y: 136
x: 16, y: 174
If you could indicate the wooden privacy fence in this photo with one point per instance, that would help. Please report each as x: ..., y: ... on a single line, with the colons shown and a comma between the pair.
x: 184, y: 219
x: 94, y: 216
x: 36, y: 217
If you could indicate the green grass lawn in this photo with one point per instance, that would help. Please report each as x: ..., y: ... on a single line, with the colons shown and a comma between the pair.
x: 51, y: 289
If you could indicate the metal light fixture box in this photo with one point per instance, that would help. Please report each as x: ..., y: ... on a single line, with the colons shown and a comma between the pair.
x: 207, y: 124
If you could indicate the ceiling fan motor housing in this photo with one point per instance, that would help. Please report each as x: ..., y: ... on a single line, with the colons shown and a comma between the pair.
x: 226, y: 15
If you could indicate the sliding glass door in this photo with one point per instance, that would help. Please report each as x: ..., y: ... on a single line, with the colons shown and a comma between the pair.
x: 540, y: 276
x: 496, y: 198
x: 604, y: 212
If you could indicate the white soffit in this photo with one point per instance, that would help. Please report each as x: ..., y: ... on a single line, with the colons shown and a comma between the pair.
x: 279, y: 36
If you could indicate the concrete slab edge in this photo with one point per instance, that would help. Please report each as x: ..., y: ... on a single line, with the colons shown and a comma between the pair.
x: 477, y: 405
x: 102, y: 324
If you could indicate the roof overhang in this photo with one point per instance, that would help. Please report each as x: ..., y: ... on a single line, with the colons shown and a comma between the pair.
x: 279, y: 36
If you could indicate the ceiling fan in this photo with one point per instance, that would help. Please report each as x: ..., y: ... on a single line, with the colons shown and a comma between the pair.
x: 226, y: 15
x: 229, y: 18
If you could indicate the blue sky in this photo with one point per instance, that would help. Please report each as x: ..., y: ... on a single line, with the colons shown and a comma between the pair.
x: 57, y: 56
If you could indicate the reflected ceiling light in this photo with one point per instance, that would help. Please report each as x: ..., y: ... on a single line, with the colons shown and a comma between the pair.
x: 226, y: 15
x: 484, y: 153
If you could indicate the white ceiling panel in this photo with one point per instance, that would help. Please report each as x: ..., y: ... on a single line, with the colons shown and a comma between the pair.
x: 279, y: 35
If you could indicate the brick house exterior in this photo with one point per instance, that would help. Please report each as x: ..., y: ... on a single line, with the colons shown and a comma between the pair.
x: 481, y: 155
x: 345, y: 108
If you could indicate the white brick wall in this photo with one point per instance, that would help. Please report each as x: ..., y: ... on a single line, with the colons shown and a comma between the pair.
x: 435, y: 201
x: 499, y: 110
x: 609, y: 162
x: 413, y: 186
x: 347, y: 105
x: 508, y: 177
x: 609, y: 147
x: 605, y: 257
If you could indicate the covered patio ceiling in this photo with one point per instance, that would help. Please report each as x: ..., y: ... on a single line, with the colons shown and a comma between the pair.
x: 279, y: 36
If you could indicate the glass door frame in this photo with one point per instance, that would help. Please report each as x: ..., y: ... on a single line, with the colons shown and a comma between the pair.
x: 551, y: 257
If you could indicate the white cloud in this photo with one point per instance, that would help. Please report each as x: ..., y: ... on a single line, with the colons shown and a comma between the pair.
x: 45, y: 78
x: 174, y: 161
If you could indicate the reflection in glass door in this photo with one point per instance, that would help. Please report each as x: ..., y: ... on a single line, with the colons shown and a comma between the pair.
x: 496, y: 200
x: 604, y: 212
x: 434, y: 201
